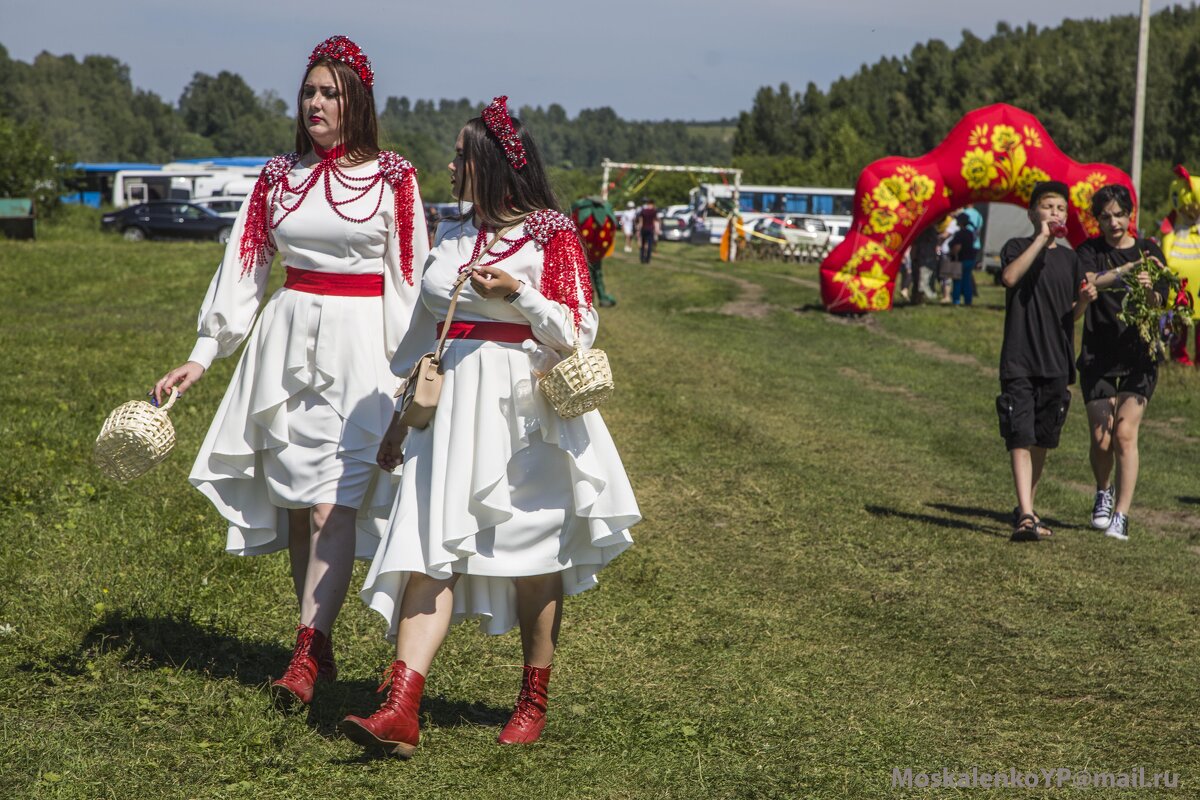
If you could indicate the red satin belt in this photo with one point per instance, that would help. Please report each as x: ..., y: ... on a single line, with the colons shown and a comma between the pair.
x: 335, y: 283
x: 511, y: 332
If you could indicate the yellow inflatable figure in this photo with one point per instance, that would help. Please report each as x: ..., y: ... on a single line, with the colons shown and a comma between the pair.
x: 1181, y: 245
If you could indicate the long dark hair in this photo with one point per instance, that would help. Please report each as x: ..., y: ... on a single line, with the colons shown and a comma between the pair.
x: 356, y: 112
x: 501, y: 192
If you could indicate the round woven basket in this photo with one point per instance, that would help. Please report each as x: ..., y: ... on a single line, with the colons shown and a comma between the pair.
x: 578, y: 383
x: 134, y: 438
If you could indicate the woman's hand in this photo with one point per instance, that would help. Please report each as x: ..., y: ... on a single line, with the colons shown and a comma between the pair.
x: 390, y: 456
x: 181, y: 378
x: 1143, y: 278
x: 492, y: 282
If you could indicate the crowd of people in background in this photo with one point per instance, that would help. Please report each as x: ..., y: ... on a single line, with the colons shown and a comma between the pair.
x: 942, y: 260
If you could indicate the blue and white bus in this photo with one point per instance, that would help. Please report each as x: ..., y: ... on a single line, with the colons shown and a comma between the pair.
x: 713, y: 203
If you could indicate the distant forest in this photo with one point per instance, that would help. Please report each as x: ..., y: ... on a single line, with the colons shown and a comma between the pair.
x: 1078, y: 78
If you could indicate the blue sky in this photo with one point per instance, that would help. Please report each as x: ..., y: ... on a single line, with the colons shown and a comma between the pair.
x: 647, y: 59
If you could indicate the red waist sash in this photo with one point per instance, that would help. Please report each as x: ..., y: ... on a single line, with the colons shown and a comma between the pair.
x: 335, y: 283
x: 511, y: 332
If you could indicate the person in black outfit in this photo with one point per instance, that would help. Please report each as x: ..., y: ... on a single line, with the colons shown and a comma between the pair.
x: 925, y: 262
x: 649, y: 228
x: 1046, y: 292
x: 962, y: 249
x: 1117, y: 372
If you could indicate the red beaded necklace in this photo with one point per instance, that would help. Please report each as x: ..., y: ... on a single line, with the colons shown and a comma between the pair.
x: 513, y: 246
x: 328, y: 168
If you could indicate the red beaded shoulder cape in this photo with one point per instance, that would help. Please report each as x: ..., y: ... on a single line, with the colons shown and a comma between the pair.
x: 565, y: 276
x: 257, y: 246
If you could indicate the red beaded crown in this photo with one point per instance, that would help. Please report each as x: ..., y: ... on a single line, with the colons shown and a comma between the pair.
x: 340, y: 48
x: 497, y: 120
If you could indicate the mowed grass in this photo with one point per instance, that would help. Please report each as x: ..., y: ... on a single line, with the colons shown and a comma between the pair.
x: 822, y: 590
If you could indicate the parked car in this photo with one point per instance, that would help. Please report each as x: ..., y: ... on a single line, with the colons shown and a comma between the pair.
x: 794, y: 229
x: 225, y: 205
x: 677, y: 227
x: 167, y: 219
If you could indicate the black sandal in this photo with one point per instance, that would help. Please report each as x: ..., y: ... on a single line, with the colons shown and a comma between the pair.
x: 1026, y: 529
x: 1043, y: 530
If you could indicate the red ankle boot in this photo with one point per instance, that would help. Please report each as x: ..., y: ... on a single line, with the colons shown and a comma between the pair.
x: 296, y: 685
x: 529, y: 716
x: 395, y: 727
x: 326, y: 667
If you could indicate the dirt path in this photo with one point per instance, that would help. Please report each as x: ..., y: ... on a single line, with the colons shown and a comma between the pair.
x: 749, y: 303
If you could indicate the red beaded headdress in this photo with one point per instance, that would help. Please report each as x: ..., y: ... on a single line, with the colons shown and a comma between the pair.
x: 340, y: 48
x: 497, y: 120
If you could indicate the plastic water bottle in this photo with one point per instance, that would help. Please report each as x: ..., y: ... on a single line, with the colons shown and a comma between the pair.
x: 541, y: 358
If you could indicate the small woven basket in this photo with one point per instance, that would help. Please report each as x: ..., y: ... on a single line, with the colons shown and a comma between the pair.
x: 134, y: 438
x: 578, y: 383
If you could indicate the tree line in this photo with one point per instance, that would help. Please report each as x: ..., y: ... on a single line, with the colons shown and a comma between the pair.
x: 88, y: 110
x: 1077, y: 78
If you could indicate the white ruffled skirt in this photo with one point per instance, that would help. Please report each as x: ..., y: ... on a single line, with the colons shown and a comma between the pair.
x: 497, y: 487
x: 301, y: 422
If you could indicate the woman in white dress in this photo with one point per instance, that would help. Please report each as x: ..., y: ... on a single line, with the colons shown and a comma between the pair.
x: 504, y: 506
x: 289, y: 459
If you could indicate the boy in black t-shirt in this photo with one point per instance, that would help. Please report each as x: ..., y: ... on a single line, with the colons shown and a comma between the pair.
x: 1046, y: 292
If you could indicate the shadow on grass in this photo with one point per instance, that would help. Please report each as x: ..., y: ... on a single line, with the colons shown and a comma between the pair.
x: 975, y: 511
x: 1003, y: 518
x: 180, y: 642
x: 1189, y: 501
x: 987, y: 521
x: 930, y: 519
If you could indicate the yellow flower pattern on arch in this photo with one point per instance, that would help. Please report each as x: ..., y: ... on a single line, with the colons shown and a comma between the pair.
x: 1081, y: 198
x: 979, y: 168
x: 997, y: 162
x: 898, y: 200
x: 867, y: 290
x: 1005, y: 138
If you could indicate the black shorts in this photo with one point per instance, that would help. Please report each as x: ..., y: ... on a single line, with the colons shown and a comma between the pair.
x: 1032, y: 411
x: 1102, y: 387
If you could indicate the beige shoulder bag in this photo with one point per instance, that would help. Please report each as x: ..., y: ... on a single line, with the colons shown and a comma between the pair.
x: 423, y: 386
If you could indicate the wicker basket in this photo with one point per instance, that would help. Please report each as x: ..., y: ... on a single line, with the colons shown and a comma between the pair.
x: 135, y: 437
x: 578, y: 383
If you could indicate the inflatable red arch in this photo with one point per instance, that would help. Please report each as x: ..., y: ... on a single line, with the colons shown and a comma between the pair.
x: 993, y: 154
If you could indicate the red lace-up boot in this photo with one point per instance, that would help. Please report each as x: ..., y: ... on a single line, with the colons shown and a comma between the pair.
x: 395, y: 727
x: 326, y: 667
x: 296, y: 685
x: 529, y: 716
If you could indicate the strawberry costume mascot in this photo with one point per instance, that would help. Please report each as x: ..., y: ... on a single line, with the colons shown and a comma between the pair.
x: 598, y: 229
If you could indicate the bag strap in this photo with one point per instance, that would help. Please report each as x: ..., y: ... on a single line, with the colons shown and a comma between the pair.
x: 458, y: 287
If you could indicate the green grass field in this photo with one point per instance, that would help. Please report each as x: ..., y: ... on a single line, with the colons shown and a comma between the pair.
x: 822, y: 590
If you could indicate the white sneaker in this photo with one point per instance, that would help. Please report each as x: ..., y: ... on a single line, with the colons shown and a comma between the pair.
x: 1119, y: 527
x: 1102, y: 509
